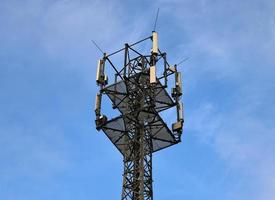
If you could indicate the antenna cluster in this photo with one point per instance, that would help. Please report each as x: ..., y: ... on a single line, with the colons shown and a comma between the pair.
x: 139, y: 93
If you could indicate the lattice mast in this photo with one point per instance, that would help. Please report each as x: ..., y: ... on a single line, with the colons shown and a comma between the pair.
x: 140, y: 95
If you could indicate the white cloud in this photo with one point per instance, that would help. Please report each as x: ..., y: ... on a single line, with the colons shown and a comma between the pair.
x: 245, y: 143
x: 237, y: 50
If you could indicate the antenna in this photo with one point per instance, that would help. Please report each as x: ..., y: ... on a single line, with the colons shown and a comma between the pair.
x: 97, y: 47
x: 182, y: 61
x: 155, y: 24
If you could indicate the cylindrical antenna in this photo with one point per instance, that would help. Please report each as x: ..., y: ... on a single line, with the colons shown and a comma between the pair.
x: 153, y: 77
x: 98, y: 104
x: 178, y: 83
x: 155, y: 43
x: 180, y: 111
x: 153, y: 70
x: 100, y: 72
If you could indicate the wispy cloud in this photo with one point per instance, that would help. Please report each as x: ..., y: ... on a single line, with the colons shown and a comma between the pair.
x: 229, y: 72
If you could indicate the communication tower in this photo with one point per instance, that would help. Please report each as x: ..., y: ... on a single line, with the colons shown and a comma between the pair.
x: 140, y: 93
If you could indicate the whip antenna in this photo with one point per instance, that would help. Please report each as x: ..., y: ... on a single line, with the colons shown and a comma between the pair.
x: 155, y: 24
x: 97, y: 47
x: 185, y: 59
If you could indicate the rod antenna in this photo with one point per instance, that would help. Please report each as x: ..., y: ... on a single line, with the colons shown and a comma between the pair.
x: 155, y: 24
x: 97, y: 47
x: 182, y: 61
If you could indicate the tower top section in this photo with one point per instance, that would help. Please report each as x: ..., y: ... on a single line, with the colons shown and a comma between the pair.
x: 139, y: 92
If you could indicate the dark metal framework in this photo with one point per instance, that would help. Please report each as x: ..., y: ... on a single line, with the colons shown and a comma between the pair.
x: 139, y: 95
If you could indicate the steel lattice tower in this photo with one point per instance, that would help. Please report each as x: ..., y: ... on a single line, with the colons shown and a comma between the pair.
x: 140, y: 95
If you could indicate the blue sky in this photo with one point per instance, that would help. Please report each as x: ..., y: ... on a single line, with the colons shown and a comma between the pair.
x: 49, y: 146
